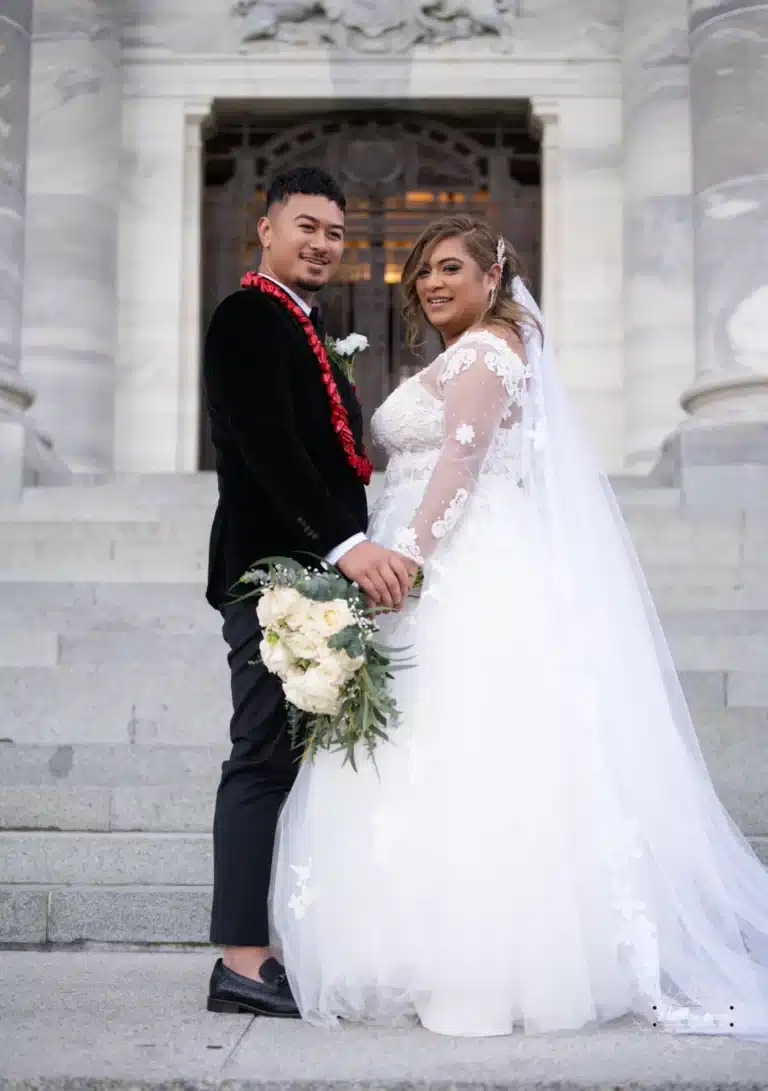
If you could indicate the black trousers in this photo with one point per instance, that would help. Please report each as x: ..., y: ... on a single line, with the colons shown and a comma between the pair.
x: 254, y: 783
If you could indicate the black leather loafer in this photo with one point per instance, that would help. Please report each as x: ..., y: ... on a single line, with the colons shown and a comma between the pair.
x: 233, y: 993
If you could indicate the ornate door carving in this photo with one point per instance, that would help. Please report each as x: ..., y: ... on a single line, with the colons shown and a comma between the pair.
x: 399, y: 172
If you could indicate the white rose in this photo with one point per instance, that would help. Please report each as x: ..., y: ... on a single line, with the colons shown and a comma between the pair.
x: 348, y: 346
x: 304, y: 643
x: 330, y: 618
x: 332, y: 660
x: 275, y: 655
x: 310, y: 626
x: 276, y: 605
x: 316, y: 690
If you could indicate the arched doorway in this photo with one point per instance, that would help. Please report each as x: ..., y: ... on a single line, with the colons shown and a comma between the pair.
x: 401, y: 169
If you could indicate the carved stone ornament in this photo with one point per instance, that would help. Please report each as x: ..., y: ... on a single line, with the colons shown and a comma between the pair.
x: 376, y: 26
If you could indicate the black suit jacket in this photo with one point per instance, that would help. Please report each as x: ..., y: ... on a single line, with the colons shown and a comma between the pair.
x: 285, y: 486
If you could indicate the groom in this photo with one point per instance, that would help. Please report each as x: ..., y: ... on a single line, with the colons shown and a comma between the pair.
x: 291, y: 482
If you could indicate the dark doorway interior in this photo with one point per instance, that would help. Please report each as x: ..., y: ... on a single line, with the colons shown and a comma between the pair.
x: 401, y: 168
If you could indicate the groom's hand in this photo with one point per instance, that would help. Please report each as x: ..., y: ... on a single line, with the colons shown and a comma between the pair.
x: 385, y: 576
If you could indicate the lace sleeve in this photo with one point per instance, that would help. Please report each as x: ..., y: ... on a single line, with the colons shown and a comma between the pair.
x: 481, y: 382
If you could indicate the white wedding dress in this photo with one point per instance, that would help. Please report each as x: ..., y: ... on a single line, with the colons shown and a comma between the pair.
x: 536, y: 846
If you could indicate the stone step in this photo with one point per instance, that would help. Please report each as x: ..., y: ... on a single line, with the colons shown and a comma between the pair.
x: 730, y: 689
x: 106, y: 914
x: 105, y: 859
x: 671, y: 580
x: 101, y: 766
x: 134, y: 1021
x: 118, y: 1020
x: 20, y: 647
x: 189, y: 808
x: 102, y: 540
x: 168, y: 808
x: 659, y: 536
x: 165, y: 488
x: 180, y: 606
x: 173, y: 607
x: 95, y: 504
x: 699, y: 640
x: 126, y: 913
x: 187, y: 702
x: 158, y: 570
x: 27, y: 523
x: 176, y: 607
x: 86, y: 511
x: 142, y: 787
x: 171, y: 702
x: 712, y: 590
x: 714, y: 698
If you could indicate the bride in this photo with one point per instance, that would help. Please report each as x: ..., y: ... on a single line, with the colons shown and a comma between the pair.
x: 539, y: 845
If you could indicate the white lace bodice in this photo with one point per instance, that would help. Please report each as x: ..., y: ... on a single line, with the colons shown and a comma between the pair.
x: 451, y: 425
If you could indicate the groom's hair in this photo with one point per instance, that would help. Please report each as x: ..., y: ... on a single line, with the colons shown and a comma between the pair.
x: 307, y: 181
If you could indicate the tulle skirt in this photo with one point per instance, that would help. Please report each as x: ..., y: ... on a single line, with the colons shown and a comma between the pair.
x: 533, y: 848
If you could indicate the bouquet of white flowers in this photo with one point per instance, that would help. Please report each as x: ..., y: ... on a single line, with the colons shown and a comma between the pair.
x: 319, y: 639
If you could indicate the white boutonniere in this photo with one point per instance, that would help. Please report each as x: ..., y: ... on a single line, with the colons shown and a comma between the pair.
x: 344, y: 351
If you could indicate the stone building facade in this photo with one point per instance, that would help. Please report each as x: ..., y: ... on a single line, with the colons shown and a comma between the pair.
x: 622, y: 144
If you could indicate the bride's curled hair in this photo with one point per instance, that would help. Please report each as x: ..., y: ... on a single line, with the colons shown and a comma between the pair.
x: 482, y: 244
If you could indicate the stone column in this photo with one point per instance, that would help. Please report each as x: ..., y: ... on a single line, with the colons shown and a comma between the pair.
x: 154, y: 242
x: 581, y: 270
x: 720, y: 455
x: 15, y: 24
x: 546, y: 113
x: 658, y: 235
x: 70, y: 305
x: 188, y: 449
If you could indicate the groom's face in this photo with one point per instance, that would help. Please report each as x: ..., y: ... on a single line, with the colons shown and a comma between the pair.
x: 303, y: 241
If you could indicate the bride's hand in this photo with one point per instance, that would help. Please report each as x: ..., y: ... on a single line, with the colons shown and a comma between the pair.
x: 384, y: 576
x: 415, y: 578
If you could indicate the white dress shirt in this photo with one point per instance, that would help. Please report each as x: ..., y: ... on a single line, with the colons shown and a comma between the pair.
x: 289, y: 291
x: 336, y: 554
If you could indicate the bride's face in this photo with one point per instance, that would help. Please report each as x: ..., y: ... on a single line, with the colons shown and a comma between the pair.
x: 452, y: 288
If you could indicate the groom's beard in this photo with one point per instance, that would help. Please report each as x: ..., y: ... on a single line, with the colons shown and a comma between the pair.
x: 310, y: 287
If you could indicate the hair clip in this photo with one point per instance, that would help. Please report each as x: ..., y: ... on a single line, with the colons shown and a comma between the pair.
x: 501, y: 251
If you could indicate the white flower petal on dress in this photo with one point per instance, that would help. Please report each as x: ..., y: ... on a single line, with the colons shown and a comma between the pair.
x: 537, y: 435
x: 451, y: 515
x: 296, y: 904
x: 465, y: 434
x: 512, y: 371
x: 303, y: 896
x: 404, y: 542
x: 456, y: 361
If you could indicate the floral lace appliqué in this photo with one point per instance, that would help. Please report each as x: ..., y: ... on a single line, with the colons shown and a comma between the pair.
x: 465, y: 434
x: 456, y: 361
x: 537, y: 435
x: 405, y: 542
x: 303, y: 896
x: 501, y: 364
x: 451, y: 516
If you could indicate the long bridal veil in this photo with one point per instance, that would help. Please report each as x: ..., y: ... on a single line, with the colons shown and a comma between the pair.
x: 695, y: 895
